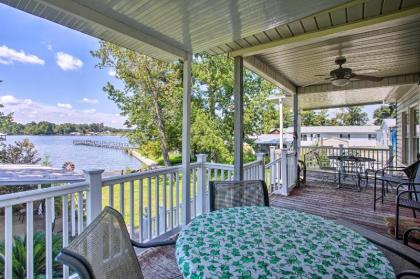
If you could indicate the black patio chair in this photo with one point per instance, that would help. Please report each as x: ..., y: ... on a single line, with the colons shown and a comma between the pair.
x: 104, y: 249
x: 390, y: 176
x: 407, y: 199
x: 404, y: 259
x: 226, y: 194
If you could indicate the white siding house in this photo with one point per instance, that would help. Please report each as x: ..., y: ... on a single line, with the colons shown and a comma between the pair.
x: 384, y: 134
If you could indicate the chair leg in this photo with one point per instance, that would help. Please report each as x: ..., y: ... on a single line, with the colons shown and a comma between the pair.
x: 414, y: 213
x: 374, y: 194
x: 383, y: 191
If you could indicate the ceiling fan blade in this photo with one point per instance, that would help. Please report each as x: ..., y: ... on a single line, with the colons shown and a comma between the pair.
x: 369, y: 78
x: 321, y: 75
x: 316, y: 82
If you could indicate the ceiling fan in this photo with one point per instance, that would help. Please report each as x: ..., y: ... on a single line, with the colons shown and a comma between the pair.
x: 342, y: 76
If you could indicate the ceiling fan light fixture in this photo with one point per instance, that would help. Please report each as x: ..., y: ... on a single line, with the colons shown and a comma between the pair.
x: 340, y: 82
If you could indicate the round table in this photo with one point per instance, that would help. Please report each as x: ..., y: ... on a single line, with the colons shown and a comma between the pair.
x: 266, y: 242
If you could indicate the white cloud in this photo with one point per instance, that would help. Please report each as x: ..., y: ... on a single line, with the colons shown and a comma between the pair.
x: 90, y: 101
x: 12, y: 100
x: 112, y: 72
x: 10, y: 55
x: 26, y: 110
x: 68, y: 62
x: 49, y: 46
x: 66, y: 106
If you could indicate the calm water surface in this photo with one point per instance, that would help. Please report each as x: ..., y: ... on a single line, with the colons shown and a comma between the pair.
x: 61, y: 149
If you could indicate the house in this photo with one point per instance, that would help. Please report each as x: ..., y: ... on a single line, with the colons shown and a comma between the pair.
x: 387, y: 133
x: 349, y: 136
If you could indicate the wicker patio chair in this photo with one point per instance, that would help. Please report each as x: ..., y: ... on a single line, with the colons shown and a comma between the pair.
x: 225, y: 194
x: 104, y: 249
x: 404, y: 259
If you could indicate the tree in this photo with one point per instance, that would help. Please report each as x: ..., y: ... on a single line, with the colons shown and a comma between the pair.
x: 352, y: 116
x: 22, y: 152
x: 6, y: 121
x: 314, y: 118
x: 384, y: 112
x: 151, y: 98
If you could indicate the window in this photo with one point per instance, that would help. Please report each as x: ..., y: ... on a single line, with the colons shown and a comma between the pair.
x: 348, y: 136
x: 369, y: 136
x: 414, y: 132
x: 404, y: 135
x: 318, y: 136
x: 341, y: 136
x: 312, y: 137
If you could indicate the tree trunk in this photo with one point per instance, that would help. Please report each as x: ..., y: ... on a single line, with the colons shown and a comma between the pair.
x: 159, y: 120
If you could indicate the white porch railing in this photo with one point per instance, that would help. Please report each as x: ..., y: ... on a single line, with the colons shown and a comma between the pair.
x: 150, y: 201
x: 281, y: 171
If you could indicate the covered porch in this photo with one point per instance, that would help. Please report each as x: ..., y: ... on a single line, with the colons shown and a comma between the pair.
x: 286, y: 44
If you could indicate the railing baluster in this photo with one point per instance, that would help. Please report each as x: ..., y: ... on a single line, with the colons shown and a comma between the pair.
x: 8, y: 239
x: 48, y: 238
x: 122, y: 186
x: 111, y: 195
x: 171, y: 203
x: 194, y: 193
x: 223, y: 175
x: 65, y: 224
x: 177, y: 199
x: 149, y: 207
x: 132, y: 208
x: 141, y: 227
x: 157, y: 204
x: 165, y: 209
x: 79, y: 212
x: 73, y: 214
x: 29, y: 240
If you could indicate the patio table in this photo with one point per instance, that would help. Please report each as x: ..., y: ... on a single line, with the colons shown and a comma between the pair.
x: 266, y: 242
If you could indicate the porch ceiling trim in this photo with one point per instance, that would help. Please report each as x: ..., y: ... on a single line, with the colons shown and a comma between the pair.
x: 267, y: 72
x: 88, y: 14
x: 360, y: 84
x: 313, y: 37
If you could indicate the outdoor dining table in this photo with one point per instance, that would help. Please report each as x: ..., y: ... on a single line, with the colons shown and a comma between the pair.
x: 266, y: 242
x: 350, y: 164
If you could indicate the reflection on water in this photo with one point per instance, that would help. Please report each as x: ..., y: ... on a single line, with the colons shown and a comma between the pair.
x: 60, y: 149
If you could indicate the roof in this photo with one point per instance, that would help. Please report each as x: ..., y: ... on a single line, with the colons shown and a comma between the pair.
x: 336, y: 129
x: 12, y: 174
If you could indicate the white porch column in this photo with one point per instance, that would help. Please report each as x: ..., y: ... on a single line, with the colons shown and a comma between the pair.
x: 202, y: 197
x: 296, y: 132
x: 239, y: 117
x: 186, y: 129
x: 94, y: 196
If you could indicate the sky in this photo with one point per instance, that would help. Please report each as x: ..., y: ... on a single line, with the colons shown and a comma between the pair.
x: 49, y: 74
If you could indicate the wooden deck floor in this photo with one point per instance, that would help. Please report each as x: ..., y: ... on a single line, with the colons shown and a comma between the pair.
x: 314, y: 198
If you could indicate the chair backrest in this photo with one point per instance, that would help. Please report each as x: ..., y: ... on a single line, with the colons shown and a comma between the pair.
x: 401, y: 257
x: 225, y: 194
x: 103, y: 250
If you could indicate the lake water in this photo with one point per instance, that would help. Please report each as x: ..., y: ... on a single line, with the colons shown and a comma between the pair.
x: 61, y: 149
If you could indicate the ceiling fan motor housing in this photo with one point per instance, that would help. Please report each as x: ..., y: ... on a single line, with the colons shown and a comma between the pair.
x: 341, y: 73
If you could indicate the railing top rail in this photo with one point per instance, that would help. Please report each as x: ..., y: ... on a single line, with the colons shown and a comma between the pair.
x: 40, y: 194
x: 346, y: 148
x: 14, y: 182
x: 218, y: 166
x: 138, y: 175
x: 253, y: 163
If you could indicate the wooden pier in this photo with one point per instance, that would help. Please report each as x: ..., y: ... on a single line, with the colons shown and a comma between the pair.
x: 104, y: 144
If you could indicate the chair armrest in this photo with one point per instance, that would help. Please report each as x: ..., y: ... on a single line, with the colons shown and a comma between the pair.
x: 406, y: 184
x: 407, y: 233
x: 153, y: 243
x: 406, y: 192
x: 412, y: 273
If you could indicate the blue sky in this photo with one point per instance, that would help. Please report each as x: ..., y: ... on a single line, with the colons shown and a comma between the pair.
x: 49, y: 74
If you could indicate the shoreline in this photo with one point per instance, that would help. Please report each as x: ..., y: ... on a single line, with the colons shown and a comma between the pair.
x: 144, y: 160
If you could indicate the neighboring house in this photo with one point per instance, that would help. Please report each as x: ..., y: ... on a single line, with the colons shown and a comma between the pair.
x: 387, y: 132
x: 360, y: 136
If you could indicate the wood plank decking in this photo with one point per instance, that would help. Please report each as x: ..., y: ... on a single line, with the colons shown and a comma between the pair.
x: 314, y: 198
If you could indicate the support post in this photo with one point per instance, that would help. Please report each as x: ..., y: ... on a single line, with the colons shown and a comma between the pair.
x: 390, y: 155
x: 239, y: 115
x: 202, y: 185
x: 284, y: 173
x: 296, y: 135
x: 261, y: 168
x: 94, y: 198
x: 273, y: 168
x: 186, y: 130
x: 281, y: 122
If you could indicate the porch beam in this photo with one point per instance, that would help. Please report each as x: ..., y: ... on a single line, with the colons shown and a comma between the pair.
x: 267, y: 72
x: 186, y: 135
x: 296, y: 133
x: 87, y: 13
x: 317, y: 36
x: 238, y: 117
x: 361, y: 84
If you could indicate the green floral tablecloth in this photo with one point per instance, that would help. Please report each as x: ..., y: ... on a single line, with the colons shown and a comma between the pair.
x: 266, y: 242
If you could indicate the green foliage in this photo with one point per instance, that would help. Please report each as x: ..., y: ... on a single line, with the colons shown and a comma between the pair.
x: 352, y: 116
x: 315, y: 118
x: 21, y: 152
x: 384, y: 112
x: 5, y: 121
x: 175, y: 159
x: 19, y: 256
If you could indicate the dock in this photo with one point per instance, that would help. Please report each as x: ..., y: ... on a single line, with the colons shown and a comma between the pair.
x: 104, y: 144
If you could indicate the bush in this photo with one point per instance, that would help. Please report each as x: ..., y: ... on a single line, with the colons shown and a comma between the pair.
x: 19, y: 256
